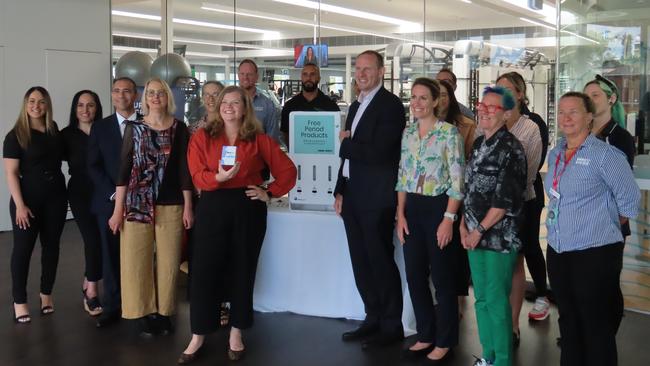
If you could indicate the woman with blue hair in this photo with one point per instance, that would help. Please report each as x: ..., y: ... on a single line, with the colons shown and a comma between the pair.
x: 495, y: 179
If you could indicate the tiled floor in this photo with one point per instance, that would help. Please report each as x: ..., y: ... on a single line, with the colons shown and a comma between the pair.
x: 69, y: 337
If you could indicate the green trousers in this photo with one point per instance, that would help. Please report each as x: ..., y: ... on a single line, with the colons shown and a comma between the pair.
x: 492, y: 279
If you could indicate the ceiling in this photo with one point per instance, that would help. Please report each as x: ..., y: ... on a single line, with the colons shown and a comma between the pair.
x: 279, y: 20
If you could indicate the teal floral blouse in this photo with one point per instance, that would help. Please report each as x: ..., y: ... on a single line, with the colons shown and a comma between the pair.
x: 433, y: 165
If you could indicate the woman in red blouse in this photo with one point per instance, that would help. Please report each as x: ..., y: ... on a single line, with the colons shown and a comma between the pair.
x: 230, y: 216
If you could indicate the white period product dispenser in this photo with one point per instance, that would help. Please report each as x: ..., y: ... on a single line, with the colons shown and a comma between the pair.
x: 314, y: 148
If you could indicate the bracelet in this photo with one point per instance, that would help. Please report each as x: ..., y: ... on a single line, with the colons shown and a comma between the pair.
x: 480, y: 229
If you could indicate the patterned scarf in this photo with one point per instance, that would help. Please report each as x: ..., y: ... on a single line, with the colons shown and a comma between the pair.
x: 151, y: 150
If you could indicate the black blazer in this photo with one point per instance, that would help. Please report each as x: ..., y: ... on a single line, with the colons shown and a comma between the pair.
x: 373, y: 153
x: 104, y: 146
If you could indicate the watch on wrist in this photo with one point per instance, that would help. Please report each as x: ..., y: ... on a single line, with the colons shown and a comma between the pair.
x: 451, y: 216
x: 480, y: 229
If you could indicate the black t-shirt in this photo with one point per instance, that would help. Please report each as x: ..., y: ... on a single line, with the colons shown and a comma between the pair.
x: 322, y: 103
x: 620, y: 138
x: 75, y: 152
x: 40, y: 163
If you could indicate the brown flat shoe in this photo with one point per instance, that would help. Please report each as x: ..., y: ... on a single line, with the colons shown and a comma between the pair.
x: 186, y: 358
x: 235, y: 355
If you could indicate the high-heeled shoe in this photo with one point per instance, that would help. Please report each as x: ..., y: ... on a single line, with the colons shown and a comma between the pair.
x: 235, y: 355
x: 23, y: 319
x: 47, y: 309
x: 91, y: 305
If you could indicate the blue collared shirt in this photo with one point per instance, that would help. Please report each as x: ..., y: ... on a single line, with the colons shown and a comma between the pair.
x: 266, y: 112
x: 596, y: 188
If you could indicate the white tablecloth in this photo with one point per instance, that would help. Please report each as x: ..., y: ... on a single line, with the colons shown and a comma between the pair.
x: 305, y: 268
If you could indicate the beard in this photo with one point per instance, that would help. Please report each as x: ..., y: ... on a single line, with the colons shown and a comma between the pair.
x: 309, y: 87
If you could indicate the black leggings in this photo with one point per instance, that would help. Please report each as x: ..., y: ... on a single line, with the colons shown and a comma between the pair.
x: 49, y: 217
x: 87, y: 224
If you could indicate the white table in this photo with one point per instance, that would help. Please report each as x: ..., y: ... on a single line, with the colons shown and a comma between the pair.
x: 305, y: 268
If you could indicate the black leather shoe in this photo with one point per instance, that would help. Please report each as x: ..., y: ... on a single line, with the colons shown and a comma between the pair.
x: 383, y: 339
x: 107, y: 318
x: 364, y: 330
x: 144, y: 327
x: 410, y: 355
x: 160, y: 324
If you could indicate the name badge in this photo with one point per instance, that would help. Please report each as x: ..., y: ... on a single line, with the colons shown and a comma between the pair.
x: 555, y: 194
x: 582, y: 161
x: 228, y: 155
x: 259, y: 109
x: 552, y: 211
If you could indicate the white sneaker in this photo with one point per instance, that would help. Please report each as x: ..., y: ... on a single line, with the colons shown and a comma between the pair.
x: 482, y: 362
x: 540, y: 309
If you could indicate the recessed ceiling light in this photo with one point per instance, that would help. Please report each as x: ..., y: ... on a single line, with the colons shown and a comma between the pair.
x: 194, y: 22
x: 353, y: 13
x: 199, y: 41
x: 246, y: 13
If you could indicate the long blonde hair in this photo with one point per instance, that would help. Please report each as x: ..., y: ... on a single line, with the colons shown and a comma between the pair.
x: 22, y: 127
x: 250, y: 126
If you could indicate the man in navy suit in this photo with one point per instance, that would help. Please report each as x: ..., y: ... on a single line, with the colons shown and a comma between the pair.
x: 104, y: 146
x: 366, y: 200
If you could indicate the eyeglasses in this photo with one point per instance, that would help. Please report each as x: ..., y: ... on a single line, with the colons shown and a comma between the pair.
x: 156, y: 93
x: 491, y: 109
x: 210, y: 95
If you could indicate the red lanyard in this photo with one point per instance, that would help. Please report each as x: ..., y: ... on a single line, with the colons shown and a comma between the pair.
x: 556, y: 177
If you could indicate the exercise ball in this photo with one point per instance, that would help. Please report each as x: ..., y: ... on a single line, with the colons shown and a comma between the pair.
x: 169, y: 67
x: 135, y: 65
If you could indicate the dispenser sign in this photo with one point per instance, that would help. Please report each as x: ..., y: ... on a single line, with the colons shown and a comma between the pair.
x: 314, y: 134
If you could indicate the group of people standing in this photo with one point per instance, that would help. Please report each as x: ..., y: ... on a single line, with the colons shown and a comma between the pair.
x: 472, y: 192
x: 463, y: 196
x: 135, y: 181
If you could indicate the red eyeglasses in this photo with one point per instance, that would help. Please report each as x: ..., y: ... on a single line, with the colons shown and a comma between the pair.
x: 491, y: 109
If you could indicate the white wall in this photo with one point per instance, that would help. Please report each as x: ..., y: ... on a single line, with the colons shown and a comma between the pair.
x: 63, y: 45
